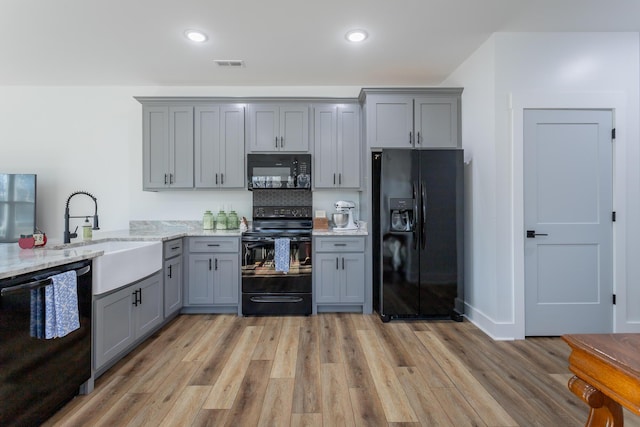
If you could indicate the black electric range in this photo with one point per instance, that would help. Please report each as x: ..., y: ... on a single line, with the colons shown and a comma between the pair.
x: 276, y: 262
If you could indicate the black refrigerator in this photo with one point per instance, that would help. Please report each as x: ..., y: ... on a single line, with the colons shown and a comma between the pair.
x: 418, y: 233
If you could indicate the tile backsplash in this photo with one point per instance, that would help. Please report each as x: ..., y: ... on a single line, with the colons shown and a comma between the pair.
x: 282, y: 198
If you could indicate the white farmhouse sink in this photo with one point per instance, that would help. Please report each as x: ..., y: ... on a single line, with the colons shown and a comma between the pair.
x: 124, y: 262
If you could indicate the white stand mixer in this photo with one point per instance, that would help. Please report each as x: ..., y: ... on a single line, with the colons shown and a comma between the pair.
x: 346, y: 207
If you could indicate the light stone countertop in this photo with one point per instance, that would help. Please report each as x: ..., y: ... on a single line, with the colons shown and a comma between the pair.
x: 15, y: 261
x: 331, y: 232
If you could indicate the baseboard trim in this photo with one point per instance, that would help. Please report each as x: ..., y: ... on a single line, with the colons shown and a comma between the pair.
x: 498, y: 331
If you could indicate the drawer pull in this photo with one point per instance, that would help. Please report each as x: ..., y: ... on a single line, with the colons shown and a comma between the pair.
x: 213, y: 244
x: 339, y: 244
x: 175, y: 247
x: 270, y: 299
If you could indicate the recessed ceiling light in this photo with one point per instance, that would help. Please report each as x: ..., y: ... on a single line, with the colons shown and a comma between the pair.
x: 357, y: 36
x: 196, y: 36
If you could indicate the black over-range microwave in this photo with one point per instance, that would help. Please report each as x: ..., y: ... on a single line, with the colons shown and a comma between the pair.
x: 279, y: 171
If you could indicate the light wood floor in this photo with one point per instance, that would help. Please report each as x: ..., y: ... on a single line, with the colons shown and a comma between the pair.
x: 332, y: 370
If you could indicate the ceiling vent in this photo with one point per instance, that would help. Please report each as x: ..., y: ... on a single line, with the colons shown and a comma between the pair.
x: 230, y: 63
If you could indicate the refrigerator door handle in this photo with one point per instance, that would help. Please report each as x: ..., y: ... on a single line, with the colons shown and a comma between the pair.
x: 415, y: 216
x: 423, y: 220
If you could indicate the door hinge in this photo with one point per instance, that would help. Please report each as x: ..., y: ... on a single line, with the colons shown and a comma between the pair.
x: 613, y: 133
x: 613, y: 216
x: 614, y: 299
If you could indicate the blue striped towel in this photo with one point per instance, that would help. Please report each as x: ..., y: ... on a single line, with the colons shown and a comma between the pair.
x: 37, y: 313
x: 61, y: 305
x: 282, y: 254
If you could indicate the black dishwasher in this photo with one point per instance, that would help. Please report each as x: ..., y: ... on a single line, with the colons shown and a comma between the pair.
x: 38, y: 376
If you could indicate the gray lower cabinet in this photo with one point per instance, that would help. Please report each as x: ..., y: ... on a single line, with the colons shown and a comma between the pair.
x: 213, y: 276
x: 337, y: 154
x: 278, y: 127
x: 172, y: 277
x: 167, y: 136
x: 412, y: 118
x: 339, y: 273
x: 124, y: 317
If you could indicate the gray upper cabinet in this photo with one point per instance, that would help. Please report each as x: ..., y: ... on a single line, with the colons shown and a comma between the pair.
x: 167, y: 147
x: 219, y: 146
x: 413, y: 118
x: 337, y: 150
x: 278, y: 127
x: 436, y: 122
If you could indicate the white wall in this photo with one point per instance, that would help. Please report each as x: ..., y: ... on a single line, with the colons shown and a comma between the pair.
x: 549, y: 70
x: 476, y: 75
x: 90, y: 138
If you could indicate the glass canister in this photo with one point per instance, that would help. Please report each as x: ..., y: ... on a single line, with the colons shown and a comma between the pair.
x: 233, y: 222
x: 207, y: 221
x: 221, y: 220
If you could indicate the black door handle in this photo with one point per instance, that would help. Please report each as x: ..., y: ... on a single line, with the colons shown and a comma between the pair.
x: 531, y: 234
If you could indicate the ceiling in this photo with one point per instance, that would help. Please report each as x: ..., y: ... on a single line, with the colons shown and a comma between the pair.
x: 282, y: 42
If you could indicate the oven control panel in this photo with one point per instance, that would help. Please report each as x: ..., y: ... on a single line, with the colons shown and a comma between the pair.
x: 281, y: 211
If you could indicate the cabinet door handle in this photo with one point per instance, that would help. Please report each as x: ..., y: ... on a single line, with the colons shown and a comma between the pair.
x: 418, y: 138
x: 216, y: 264
x: 222, y: 178
x: 340, y: 178
x: 137, y: 297
x: 165, y: 179
x: 334, y: 179
x: 209, y: 264
x: 337, y: 263
x: 281, y: 141
x: 171, y: 180
x: 276, y: 142
x: 410, y: 137
x: 170, y: 271
x: 216, y: 179
x: 343, y: 263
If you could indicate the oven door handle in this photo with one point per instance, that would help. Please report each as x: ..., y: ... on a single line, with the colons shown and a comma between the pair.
x: 257, y: 243
x: 276, y: 299
x: 35, y: 284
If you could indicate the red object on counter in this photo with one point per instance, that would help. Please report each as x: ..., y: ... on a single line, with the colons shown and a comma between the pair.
x: 26, y: 241
x: 39, y: 239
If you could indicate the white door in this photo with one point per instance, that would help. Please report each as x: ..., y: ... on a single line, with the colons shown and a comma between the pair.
x: 568, y: 221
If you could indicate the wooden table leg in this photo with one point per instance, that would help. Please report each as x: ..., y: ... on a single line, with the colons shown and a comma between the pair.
x: 603, y: 412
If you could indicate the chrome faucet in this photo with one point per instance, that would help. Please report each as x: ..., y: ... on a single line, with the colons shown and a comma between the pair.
x: 67, y: 235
